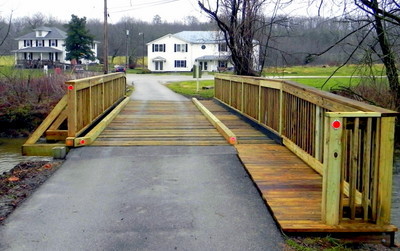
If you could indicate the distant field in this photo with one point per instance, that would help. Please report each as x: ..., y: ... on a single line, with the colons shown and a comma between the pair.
x: 322, y: 83
x: 7, y: 60
x: 344, y: 77
x: 349, y: 70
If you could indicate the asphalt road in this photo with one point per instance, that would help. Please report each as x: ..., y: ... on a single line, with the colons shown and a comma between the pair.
x: 145, y: 198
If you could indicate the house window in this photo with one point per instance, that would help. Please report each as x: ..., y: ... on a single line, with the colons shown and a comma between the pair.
x: 27, y: 43
x: 180, y: 63
x: 158, y: 47
x: 222, y: 47
x: 180, y: 48
x: 53, y: 43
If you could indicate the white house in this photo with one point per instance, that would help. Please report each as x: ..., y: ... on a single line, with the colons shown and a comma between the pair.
x: 180, y: 51
x: 44, y: 46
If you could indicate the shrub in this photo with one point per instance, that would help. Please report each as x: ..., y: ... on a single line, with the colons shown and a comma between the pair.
x: 25, y: 100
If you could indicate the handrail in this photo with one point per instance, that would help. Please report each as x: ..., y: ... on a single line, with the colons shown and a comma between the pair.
x: 355, y: 160
x: 89, y: 98
x: 86, y: 101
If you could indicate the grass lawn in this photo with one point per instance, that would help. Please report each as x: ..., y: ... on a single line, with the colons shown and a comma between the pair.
x: 7, y: 60
x: 349, y: 70
x: 300, y: 74
x: 189, y: 88
x: 321, y: 83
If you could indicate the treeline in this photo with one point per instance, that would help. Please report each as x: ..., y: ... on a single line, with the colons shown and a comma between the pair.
x: 286, y: 41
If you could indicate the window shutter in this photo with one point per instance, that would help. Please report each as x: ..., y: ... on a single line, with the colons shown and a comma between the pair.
x: 186, y: 45
x: 174, y: 47
x: 24, y: 43
x: 152, y: 47
x: 164, y: 48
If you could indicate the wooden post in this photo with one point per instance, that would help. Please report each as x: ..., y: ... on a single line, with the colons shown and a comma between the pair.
x: 242, y: 98
x: 230, y: 92
x: 280, y: 129
x: 72, y: 110
x: 331, y: 181
x: 259, y: 103
x: 318, y: 133
x: 385, y: 171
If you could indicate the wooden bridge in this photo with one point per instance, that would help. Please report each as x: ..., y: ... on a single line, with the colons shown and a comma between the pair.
x: 328, y: 169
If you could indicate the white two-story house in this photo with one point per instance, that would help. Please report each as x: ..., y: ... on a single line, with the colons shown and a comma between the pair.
x: 44, y: 46
x: 180, y: 51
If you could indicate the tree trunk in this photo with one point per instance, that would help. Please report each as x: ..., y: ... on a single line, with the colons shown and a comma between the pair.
x: 388, y: 57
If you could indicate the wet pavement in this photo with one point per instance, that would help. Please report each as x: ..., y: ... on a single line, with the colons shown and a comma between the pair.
x: 144, y: 198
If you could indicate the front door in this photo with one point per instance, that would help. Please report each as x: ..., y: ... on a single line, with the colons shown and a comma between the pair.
x: 159, y: 65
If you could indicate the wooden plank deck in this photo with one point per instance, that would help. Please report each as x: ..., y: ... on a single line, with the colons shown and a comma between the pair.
x: 245, y: 133
x: 293, y: 191
x: 159, y: 123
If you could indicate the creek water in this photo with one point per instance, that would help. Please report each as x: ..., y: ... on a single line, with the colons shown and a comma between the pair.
x: 10, y: 153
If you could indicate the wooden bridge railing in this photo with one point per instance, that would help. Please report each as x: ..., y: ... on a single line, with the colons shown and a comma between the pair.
x: 86, y: 100
x: 348, y: 142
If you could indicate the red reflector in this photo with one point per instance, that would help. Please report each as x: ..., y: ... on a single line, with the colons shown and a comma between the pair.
x: 336, y: 124
x: 70, y: 87
x: 82, y: 142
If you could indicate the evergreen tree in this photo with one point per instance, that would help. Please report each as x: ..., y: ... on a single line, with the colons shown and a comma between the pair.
x: 79, y: 41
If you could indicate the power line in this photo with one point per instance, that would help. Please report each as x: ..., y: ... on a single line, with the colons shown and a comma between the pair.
x: 143, y: 5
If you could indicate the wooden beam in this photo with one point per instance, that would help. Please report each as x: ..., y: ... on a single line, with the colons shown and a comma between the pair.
x: 225, y: 131
x: 59, y: 135
x: 39, y: 149
x: 48, y: 121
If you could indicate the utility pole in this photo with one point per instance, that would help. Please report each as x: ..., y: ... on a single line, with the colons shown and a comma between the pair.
x: 105, y: 49
x: 127, y: 51
x: 142, y: 34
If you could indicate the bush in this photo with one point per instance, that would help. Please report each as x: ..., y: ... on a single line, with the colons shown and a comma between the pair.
x: 25, y: 100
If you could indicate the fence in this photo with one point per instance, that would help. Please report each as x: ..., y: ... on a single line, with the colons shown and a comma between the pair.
x: 348, y: 142
x: 86, y: 101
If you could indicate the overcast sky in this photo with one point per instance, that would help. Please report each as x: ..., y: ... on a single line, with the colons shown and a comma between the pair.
x: 168, y: 10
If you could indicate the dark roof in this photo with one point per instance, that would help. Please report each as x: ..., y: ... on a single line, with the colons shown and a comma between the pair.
x: 38, y: 49
x: 54, y: 33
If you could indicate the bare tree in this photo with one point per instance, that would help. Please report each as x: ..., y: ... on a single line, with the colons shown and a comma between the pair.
x: 237, y: 20
x: 381, y: 18
x: 385, y: 12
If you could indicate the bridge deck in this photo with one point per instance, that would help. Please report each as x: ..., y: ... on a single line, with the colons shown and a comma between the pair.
x: 292, y: 190
x: 160, y: 123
